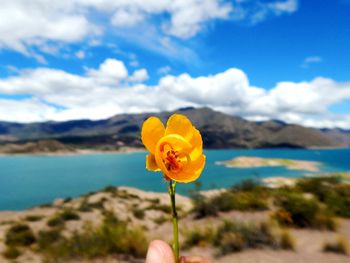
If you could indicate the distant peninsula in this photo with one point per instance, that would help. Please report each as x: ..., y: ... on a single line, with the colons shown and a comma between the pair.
x: 248, y: 162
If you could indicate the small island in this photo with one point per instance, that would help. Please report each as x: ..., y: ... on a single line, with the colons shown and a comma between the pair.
x: 249, y: 162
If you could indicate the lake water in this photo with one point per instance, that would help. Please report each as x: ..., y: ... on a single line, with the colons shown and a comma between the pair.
x: 26, y: 181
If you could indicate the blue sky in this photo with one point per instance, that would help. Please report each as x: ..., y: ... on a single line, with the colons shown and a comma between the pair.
x: 273, y: 59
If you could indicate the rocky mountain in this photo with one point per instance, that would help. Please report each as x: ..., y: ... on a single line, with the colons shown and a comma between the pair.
x: 219, y: 130
x: 338, y: 135
x: 37, y: 147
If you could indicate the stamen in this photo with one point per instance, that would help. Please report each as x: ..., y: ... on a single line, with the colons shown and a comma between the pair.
x: 172, y: 159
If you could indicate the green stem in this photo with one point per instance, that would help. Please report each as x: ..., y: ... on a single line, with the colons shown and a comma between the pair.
x: 171, y: 191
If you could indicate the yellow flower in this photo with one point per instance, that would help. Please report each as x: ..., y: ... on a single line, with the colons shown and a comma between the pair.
x: 176, y: 150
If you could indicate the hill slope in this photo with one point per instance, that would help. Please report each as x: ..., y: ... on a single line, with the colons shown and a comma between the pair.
x: 219, y: 130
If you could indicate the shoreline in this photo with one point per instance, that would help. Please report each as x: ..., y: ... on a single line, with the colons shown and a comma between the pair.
x: 124, y: 150
x: 129, y: 150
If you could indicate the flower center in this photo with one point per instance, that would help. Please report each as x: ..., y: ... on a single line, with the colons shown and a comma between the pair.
x: 174, y: 161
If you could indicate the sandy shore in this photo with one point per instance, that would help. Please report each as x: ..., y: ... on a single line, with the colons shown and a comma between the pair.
x: 122, y: 150
x: 276, y: 182
x: 248, y: 162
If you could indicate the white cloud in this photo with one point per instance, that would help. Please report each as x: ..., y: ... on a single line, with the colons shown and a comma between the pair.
x: 164, y: 70
x: 110, y: 89
x: 253, y: 11
x: 315, y: 59
x: 126, y: 18
x: 110, y: 72
x: 311, y: 60
x: 34, y: 27
x: 189, y: 16
x: 80, y: 54
x: 287, y: 6
x: 24, y: 24
x: 139, y: 75
x: 134, y: 63
x: 29, y: 110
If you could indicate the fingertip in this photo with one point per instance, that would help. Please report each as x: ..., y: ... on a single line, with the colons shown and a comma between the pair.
x: 159, y: 252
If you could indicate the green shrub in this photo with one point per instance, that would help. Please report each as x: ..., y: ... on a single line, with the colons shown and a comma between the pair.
x: 153, y: 200
x: 58, y: 220
x: 19, y: 235
x: 110, y: 189
x: 67, y: 200
x: 283, y: 217
x: 246, y: 196
x: 338, y: 200
x: 330, y: 191
x: 125, y: 195
x: 287, y: 240
x: 235, y: 236
x: 11, y: 252
x: 231, y: 242
x: 160, y: 220
x: 138, y: 213
x: 33, y: 218
x: 340, y: 246
x: 203, y: 207
x: 55, y: 221
x: 198, y: 237
x: 300, y: 211
x: 319, y: 186
x: 112, y: 237
x: 223, y: 202
x: 84, y: 206
x: 89, y: 194
x: 227, y: 201
x: 98, y: 205
x: 247, y: 186
x: 110, y: 218
x: 325, y: 220
x: 243, y: 201
x: 279, y: 194
x: 7, y: 222
x: 49, y: 237
x: 160, y: 207
x: 68, y: 215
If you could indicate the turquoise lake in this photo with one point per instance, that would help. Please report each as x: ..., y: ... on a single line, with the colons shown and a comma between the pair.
x: 26, y: 181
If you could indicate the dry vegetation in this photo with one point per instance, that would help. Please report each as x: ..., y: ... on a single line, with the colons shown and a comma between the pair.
x: 248, y: 221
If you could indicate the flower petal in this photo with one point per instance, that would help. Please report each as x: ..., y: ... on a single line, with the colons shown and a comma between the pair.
x: 151, y: 163
x: 197, y: 144
x: 176, y: 141
x: 152, y: 130
x: 179, y: 124
x: 188, y: 176
x: 196, y: 164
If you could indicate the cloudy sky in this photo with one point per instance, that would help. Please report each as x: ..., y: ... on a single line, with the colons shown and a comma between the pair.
x: 259, y: 59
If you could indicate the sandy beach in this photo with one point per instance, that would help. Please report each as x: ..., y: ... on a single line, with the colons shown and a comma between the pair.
x: 248, y: 162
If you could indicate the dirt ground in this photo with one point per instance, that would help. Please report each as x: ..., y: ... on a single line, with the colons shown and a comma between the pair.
x: 308, y: 242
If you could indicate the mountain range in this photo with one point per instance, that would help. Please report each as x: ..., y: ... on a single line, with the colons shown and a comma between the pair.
x: 218, y: 130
